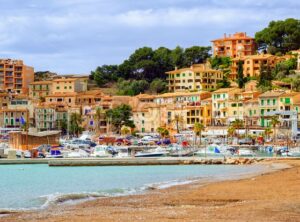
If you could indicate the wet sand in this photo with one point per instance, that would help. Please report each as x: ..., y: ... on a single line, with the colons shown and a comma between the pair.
x: 269, y: 197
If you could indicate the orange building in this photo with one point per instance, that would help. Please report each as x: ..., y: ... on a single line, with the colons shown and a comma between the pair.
x: 238, y: 44
x: 252, y: 64
x: 15, y: 76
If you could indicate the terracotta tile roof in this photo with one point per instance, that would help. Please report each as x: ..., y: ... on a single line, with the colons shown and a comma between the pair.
x: 195, y: 68
x: 41, y: 82
x: 271, y: 94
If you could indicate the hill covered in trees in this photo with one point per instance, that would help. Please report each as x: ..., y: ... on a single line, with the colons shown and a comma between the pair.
x: 145, y: 68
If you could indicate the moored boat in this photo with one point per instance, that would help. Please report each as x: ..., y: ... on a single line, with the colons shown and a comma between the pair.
x: 157, y: 152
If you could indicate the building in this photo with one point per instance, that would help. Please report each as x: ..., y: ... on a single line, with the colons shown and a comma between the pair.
x: 15, y: 76
x: 198, y: 77
x: 252, y: 64
x: 69, y: 85
x: 62, y: 98
x: 31, y: 140
x: 39, y: 90
x: 224, y: 100
x: 236, y: 45
x: 13, y: 119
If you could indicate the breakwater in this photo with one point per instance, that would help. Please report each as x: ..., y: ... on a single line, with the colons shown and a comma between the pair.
x: 142, y: 161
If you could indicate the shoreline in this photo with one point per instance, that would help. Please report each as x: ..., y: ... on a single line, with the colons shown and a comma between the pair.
x: 152, y: 192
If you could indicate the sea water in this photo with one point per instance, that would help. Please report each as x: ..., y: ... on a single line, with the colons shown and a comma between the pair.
x: 38, y: 186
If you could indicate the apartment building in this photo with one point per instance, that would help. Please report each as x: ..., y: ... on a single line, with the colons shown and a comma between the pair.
x: 13, y: 119
x: 45, y: 118
x: 198, y: 77
x: 4, y: 100
x: 236, y: 45
x: 252, y: 64
x: 251, y: 112
x: 69, y: 85
x: 62, y: 98
x: 15, y: 76
x: 40, y: 89
x: 224, y: 102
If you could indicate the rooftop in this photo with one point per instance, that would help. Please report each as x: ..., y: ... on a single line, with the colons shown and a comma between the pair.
x: 236, y: 36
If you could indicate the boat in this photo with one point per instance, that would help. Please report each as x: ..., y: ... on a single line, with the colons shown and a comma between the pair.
x: 157, y: 152
x: 179, y: 151
x: 100, y: 151
x: 76, y: 154
x: 122, y: 152
x: 245, y: 152
x: 54, y: 153
x: 212, y: 150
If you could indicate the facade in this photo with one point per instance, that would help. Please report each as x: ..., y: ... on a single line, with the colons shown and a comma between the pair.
x: 69, y: 85
x: 252, y: 64
x: 40, y: 89
x: 13, y: 119
x: 15, y: 76
x: 223, y: 101
x: 238, y: 44
x: 198, y: 77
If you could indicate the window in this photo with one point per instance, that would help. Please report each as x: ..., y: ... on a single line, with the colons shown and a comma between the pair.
x: 70, y: 87
x: 274, y: 101
x: 143, y: 121
x: 183, y: 74
x: 57, y: 87
x: 177, y: 75
x: 268, y: 101
x: 262, y: 102
x: 65, y: 87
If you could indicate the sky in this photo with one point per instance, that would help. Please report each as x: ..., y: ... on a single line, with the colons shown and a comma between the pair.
x: 76, y: 36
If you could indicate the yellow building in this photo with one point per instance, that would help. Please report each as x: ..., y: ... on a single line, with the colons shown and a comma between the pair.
x: 252, y: 64
x: 40, y: 89
x: 15, y: 76
x: 69, y: 85
x: 238, y: 44
x: 198, y: 77
x: 224, y: 102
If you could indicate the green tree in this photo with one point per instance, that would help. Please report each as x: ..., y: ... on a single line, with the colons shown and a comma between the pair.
x: 177, y: 57
x: 237, y: 124
x: 268, y: 132
x: 163, y: 132
x: 241, y: 80
x: 198, y: 128
x: 62, y: 125
x: 75, y: 124
x: 196, y: 54
x: 120, y: 116
x: 104, y: 74
x: 280, y: 36
x: 158, y: 86
x: 265, y: 78
x: 132, y: 87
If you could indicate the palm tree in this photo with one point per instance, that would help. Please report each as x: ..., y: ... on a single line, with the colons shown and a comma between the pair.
x: 268, y: 132
x: 163, y: 132
x: 75, y: 123
x: 274, y: 122
x: 237, y: 124
x: 178, y: 119
x: 198, y: 128
x: 230, y: 131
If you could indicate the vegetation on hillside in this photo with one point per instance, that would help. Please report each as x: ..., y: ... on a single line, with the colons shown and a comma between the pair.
x: 280, y: 36
x: 148, y: 65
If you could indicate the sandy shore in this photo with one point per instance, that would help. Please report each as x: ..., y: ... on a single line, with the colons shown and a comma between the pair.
x: 269, y: 197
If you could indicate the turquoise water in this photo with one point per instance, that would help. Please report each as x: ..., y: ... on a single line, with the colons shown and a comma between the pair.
x: 35, y: 186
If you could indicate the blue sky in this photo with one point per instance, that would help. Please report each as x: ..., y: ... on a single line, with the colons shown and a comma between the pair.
x: 75, y: 36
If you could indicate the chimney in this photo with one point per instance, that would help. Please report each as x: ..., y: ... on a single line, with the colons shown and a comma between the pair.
x: 176, y: 68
